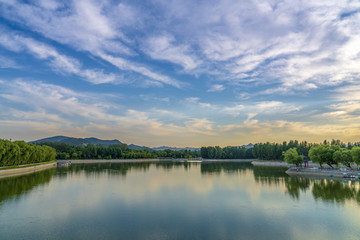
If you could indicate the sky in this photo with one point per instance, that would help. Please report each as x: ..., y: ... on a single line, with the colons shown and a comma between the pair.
x: 180, y: 73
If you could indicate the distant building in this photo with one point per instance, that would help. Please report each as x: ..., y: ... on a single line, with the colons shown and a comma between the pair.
x: 306, y: 160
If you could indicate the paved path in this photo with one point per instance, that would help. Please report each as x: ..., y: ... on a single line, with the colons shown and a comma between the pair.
x: 20, y: 171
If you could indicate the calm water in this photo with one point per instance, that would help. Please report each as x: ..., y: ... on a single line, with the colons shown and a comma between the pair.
x: 176, y: 201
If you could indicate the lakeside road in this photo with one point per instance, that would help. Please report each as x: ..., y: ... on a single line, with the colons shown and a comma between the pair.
x: 25, y: 170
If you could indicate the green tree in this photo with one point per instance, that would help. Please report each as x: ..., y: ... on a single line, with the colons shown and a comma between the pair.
x: 355, y: 154
x: 323, y: 154
x: 291, y: 156
x: 316, y: 154
x: 343, y: 156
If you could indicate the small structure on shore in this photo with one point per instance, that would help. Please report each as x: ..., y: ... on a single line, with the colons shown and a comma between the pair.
x: 63, y: 163
x: 306, y: 160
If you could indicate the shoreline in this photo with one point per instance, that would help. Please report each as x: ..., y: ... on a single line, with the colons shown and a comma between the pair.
x: 313, y: 170
x: 227, y: 160
x: 25, y: 170
x: 84, y: 161
x: 141, y: 160
x: 278, y: 163
x: 270, y: 163
x: 323, y: 172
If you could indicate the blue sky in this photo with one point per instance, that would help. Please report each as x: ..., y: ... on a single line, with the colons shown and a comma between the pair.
x: 180, y: 73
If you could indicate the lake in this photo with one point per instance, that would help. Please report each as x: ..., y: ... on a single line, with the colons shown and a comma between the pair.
x: 177, y: 201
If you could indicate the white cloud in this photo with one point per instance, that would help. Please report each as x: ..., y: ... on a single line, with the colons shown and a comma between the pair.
x: 266, y: 107
x: 248, y: 47
x: 275, y: 106
x: 276, y: 131
x: 49, y: 4
x: 67, y: 112
x: 48, y: 103
x: 58, y: 61
x: 123, y: 64
x: 51, y: 99
x: 173, y: 114
x: 84, y: 26
x: 164, y: 48
x: 297, y: 46
x: 81, y: 24
x: 287, y: 46
x: 348, y: 93
x: 345, y: 112
x: 195, y: 102
x: 216, y: 88
x: 200, y: 126
x: 234, y: 110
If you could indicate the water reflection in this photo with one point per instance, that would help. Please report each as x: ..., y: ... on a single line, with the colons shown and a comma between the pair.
x: 330, y: 191
x: 326, y: 190
x: 166, y: 200
x: 270, y: 175
x: 20, y: 185
x: 296, y: 184
x: 336, y: 191
x: 208, y: 168
x: 94, y: 169
x: 215, y: 168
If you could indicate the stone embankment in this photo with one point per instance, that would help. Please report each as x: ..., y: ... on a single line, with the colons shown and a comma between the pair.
x: 24, y: 170
x: 269, y: 163
x: 326, y: 172
x: 313, y: 169
x: 277, y: 163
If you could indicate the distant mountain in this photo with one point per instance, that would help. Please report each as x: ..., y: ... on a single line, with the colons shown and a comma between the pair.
x: 175, y: 148
x: 95, y: 141
x: 84, y: 141
x: 78, y: 141
x: 132, y: 146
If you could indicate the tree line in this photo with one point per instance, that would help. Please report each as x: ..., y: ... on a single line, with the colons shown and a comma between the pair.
x: 19, y: 152
x: 274, y: 151
x: 116, y: 151
x: 327, y: 154
x: 226, y: 153
x: 261, y: 151
x: 331, y: 153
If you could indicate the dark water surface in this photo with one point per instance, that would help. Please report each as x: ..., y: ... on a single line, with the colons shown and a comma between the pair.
x: 176, y: 201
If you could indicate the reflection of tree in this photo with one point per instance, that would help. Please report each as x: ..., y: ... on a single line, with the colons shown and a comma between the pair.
x: 175, y: 165
x: 104, y: 168
x: 19, y: 185
x: 295, y: 184
x: 270, y: 175
x: 211, y: 168
x: 335, y: 191
x: 120, y: 168
x: 123, y: 168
